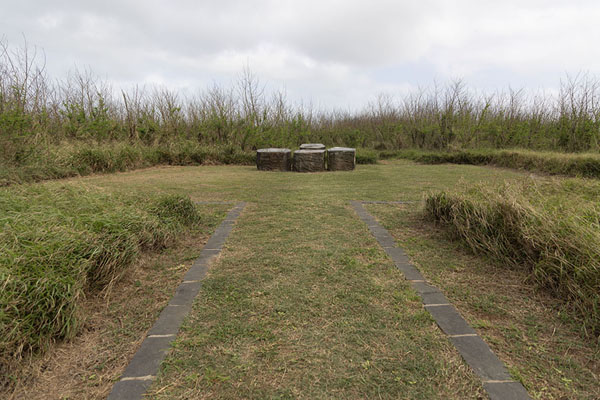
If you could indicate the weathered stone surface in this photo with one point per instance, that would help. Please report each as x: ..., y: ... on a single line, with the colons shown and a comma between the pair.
x: 273, y: 159
x: 309, y: 160
x: 312, y: 146
x: 341, y: 159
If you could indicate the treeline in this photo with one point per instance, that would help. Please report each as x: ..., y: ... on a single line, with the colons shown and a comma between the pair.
x: 37, y: 112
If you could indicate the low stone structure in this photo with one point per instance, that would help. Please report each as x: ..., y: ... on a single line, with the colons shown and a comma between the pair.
x: 309, y: 160
x: 341, y: 159
x: 273, y: 159
x: 312, y: 146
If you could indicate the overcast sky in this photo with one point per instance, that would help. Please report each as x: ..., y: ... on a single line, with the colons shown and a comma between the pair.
x: 332, y: 53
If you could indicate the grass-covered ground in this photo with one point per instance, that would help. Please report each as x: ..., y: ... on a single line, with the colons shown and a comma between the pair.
x: 303, y: 303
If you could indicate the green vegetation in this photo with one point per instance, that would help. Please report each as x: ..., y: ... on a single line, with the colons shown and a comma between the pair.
x: 59, y: 244
x: 538, y: 337
x: 92, y: 127
x: 86, y: 158
x: 585, y: 165
x: 552, y: 229
x: 303, y: 302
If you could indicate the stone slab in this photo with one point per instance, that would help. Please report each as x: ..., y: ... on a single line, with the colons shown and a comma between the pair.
x: 424, y: 287
x: 309, y: 160
x: 312, y: 146
x: 476, y: 353
x: 397, y: 255
x: 169, y: 321
x: 434, y: 298
x: 480, y: 358
x: 185, y: 293
x: 410, y: 272
x: 147, y: 359
x: 133, y: 389
x: 506, y: 391
x: 449, y: 320
x: 341, y: 159
x: 273, y: 159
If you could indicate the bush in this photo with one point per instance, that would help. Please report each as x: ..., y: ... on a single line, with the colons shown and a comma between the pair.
x: 542, y: 228
x: 60, y: 244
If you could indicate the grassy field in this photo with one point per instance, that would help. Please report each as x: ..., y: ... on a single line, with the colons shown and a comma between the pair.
x: 304, y: 304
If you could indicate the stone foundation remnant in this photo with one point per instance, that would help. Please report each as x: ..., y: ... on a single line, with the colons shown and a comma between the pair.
x: 273, y: 159
x: 309, y: 160
x: 341, y: 159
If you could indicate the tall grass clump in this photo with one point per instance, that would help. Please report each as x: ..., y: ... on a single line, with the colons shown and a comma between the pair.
x: 552, y: 230
x: 58, y: 245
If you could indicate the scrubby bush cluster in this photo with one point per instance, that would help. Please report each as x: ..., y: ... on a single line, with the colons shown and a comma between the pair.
x: 553, y: 230
x: 59, y: 244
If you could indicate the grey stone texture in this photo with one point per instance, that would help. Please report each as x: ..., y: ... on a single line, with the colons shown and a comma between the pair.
x: 341, y: 159
x: 506, y: 391
x: 480, y: 357
x: 312, y: 146
x: 273, y: 159
x: 309, y: 160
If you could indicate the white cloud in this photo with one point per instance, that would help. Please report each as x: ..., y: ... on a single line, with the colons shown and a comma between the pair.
x: 331, y: 52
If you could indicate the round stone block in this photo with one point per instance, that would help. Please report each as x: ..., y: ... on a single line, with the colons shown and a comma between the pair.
x: 309, y: 160
x: 312, y: 146
x: 341, y: 159
x: 273, y: 159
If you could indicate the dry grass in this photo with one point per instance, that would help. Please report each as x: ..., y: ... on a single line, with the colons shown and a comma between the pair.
x: 529, y: 329
x: 115, y: 325
x: 542, y: 227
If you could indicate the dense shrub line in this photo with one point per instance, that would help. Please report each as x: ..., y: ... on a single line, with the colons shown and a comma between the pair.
x: 59, y: 244
x: 547, y: 230
x: 74, y: 159
x: 37, y: 111
x: 580, y: 165
x: 88, y: 158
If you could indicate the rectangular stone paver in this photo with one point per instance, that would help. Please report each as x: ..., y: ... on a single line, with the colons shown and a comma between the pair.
x: 144, y: 365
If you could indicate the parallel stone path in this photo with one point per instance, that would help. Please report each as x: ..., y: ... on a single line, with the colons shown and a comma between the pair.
x: 143, y: 367
x: 142, y: 370
x: 473, y: 349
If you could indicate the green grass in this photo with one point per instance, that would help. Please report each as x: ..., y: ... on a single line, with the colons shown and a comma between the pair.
x: 585, y: 165
x: 58, y: 244
x: 303, y: 303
